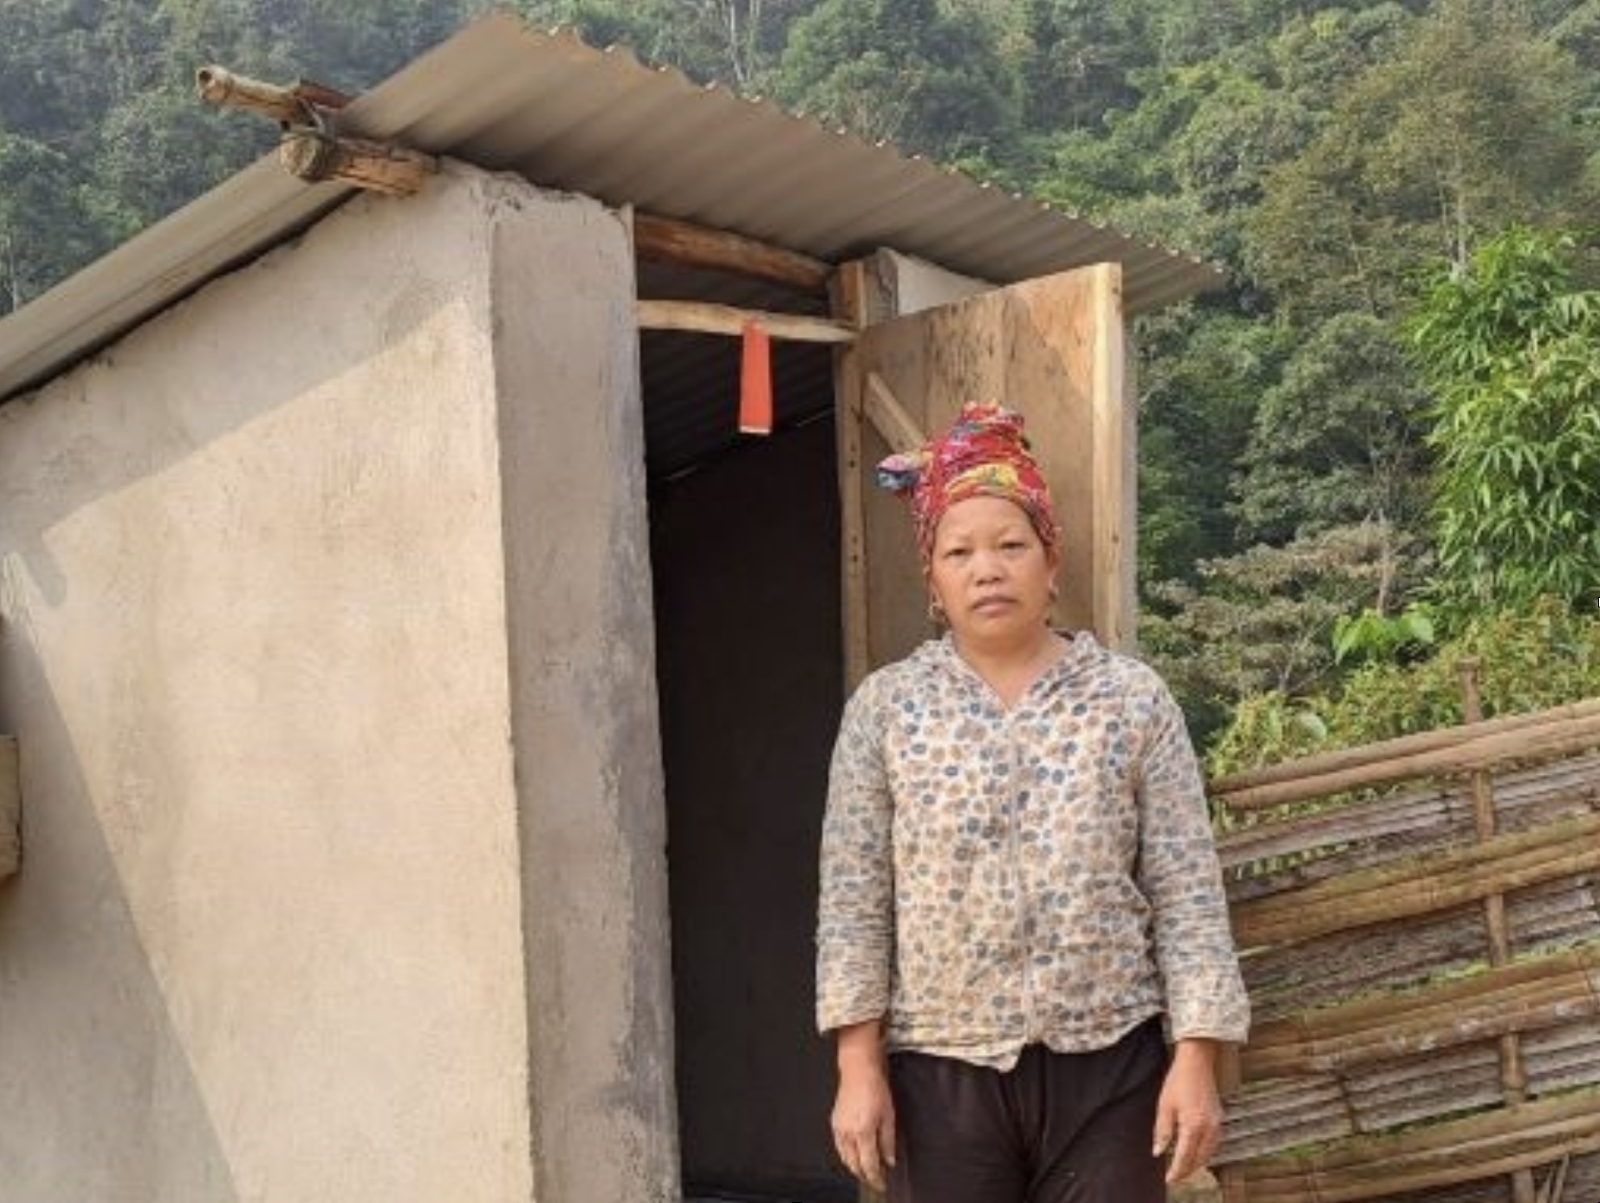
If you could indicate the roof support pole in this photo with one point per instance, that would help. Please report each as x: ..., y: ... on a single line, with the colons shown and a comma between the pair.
x: 311, y: 149
x: 684, y: 244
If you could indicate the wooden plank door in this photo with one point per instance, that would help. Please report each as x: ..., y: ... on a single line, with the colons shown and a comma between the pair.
x: 1052, y: 348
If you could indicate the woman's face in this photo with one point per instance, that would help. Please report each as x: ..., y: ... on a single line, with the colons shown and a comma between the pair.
x: 990, y: 572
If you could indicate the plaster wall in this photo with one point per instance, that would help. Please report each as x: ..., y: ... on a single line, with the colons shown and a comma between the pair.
x: 281, y: 762
x: 584, y: 709
x: 10, y: 808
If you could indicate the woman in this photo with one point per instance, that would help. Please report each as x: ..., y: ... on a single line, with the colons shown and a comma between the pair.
x: 1018, y: 881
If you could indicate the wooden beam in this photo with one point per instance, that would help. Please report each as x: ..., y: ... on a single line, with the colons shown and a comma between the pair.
x: 898, y: 428
x: 701, y: 318
x: 1421, y: 884
x: 1548, y: 991
x: 375, y: 166
x: 684, y: 244
x: 10, y: 808
x: 1544, y: 741
x: 219, y: 86
x: 1471, y: 1149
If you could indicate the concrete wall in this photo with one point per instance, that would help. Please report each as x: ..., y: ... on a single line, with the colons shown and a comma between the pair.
x: 278, y: 756
x: 10, y: 808
x: 588, y: 761
x: 747, y: 604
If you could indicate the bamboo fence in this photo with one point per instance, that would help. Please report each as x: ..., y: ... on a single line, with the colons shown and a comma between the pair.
x: 1419, y: 927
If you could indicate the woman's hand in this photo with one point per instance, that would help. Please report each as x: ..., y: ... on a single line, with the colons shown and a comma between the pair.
x: 863, y: 1110
x: 1189, y: 1111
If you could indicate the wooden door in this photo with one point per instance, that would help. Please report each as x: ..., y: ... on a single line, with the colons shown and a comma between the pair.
x: 1052, y: 348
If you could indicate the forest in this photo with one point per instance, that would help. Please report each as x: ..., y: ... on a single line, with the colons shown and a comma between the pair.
x: 1376, y: 451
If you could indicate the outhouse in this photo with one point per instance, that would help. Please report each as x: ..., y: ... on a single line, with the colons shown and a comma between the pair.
x: 418, y: 691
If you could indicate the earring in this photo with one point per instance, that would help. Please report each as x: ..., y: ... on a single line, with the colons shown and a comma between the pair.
x: 935, y: 612
x: 1055, y: 593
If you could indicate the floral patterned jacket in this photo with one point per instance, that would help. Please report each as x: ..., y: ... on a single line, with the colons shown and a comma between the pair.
x: 996, y: 877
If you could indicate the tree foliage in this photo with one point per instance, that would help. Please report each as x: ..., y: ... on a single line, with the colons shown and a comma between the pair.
x: 921, y: 73
x: 1466, y: 127
x: 1529, y: 660
x: 1337, y: 438
x: 1263, y: 621
x: 1320, y: 150
x: 1512, y: 352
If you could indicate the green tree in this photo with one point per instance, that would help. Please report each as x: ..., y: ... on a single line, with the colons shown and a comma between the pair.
x: 1467, y: 127
x: 1511, y: 352
x: 1338, y: 439
x: 734, y: 42
x: 45, y: 229
x: 1200, y: 371
x: 1075, y: 61
x: 924, y: 74
x: 1262, y: 620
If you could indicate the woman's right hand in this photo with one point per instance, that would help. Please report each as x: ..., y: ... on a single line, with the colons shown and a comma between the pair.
x: 863, y: 1110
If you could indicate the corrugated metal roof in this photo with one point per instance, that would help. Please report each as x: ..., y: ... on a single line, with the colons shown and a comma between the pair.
x: 568, y: 116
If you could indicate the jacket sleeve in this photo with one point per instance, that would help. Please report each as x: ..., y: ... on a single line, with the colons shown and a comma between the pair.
x: 1180, y: 875
x: 855, y: 911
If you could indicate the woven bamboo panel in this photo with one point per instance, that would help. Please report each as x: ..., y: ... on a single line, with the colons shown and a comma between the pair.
x: 1383, y: 1019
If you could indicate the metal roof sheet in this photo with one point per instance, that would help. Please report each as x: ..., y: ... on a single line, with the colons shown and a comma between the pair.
x: 569, y: 116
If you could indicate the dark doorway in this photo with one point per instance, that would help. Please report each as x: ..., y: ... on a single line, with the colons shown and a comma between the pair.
x: 745, y: 560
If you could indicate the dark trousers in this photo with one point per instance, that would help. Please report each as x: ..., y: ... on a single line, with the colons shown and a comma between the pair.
x: 1056, y: 1128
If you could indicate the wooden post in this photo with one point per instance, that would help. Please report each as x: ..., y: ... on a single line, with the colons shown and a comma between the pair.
x: 848, y: 301
x: 1513, y: 1073
x: 849, y: 305
x: 1230, y: 1079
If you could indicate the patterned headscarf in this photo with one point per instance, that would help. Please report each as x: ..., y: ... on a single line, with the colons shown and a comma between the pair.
x: 983, y: 455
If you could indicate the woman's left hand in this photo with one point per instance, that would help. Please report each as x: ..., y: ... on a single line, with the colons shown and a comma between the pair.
x: 1189, y: 1111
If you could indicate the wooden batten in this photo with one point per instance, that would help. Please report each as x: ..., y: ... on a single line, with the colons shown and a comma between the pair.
x: 10, y: 807
x: 1547, y: 991
x: 1327, y: 763
x: 1114, y: 502
x: 1447, y: 1154
x: 699, y: 317
x: 1332, y: 840
x: 884, y: 410
x: 1419, y: 885
x: 1544, y: 741
x: 684, y: 244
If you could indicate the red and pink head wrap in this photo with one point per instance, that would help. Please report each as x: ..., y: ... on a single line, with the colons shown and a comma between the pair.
x: 983, y: 455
